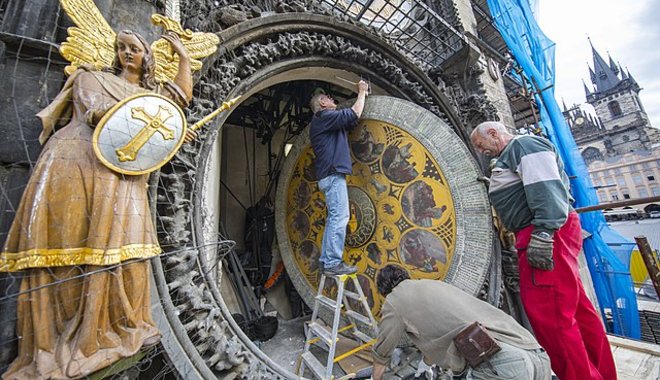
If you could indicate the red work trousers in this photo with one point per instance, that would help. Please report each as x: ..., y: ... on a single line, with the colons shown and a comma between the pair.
x: 564, y: 320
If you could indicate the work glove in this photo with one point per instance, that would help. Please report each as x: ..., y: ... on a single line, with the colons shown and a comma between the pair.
x: 539, y: 250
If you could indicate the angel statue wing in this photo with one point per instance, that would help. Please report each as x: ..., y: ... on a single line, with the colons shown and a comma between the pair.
x: 198, y: 44
x: 91, y: 41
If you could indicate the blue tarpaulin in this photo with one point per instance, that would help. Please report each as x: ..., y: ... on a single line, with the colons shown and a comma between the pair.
x: 609, y: 268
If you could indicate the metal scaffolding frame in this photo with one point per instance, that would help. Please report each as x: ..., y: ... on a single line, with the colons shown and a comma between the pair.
x: 411, y: 24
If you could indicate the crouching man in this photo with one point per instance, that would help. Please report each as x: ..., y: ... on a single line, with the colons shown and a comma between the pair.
x: 432, y: 313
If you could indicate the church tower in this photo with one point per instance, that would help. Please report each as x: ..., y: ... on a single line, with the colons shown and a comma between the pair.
x: 621, y: 125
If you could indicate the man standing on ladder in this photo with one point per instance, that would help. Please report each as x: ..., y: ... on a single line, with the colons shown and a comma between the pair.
x: 328, y: 133
x: 530, y: 192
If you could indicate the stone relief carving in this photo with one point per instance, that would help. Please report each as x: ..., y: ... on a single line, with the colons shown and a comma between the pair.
x: 468, y: 94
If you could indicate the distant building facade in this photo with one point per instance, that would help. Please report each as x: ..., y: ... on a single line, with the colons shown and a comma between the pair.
x: 618, y: 143
x: 621, y: 124
x: 629, y: 176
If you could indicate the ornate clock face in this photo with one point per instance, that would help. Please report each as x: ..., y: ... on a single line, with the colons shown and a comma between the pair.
x: 414, y: 202
x: 579, y: 120
x: 401, y: 209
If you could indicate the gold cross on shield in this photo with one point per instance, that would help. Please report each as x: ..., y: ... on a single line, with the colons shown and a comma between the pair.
x: 155, y: 123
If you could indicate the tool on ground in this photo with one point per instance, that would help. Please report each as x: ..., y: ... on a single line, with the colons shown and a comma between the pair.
x: 318, y: 333
x: 254, y: 323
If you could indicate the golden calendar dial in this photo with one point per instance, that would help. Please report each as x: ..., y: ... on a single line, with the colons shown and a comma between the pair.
x: 402, y: 209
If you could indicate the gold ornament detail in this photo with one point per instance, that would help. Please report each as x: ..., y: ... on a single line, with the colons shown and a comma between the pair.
x: 153, y: 124
x: 91, y: 41
x: 401, y: 210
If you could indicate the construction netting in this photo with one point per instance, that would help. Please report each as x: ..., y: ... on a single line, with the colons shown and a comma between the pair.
x: 607, y: 252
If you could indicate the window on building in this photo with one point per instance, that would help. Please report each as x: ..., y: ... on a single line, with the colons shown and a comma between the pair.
x: 602, y: 196
x: 617, y: 171
x: 621, y: 181
x: 637, y: 179
x: 626, y: 196
x: 655, y: 191
x: 615, y: 197
x: 643, y: 193
x: 646, y: 165
x: 650, y: 178
x: 609, y: 181
x: 615, y: 108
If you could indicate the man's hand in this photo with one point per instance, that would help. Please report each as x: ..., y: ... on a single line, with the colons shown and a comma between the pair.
x: 539, y: 250
x: 363, y: 86
x: 358, y: 106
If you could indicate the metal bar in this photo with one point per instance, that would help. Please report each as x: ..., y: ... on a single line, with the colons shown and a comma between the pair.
x: 391, y: 16
x: 341, y: 283
x: 348, y: 327
x: 365, y: 8
x: 650, y: 261
x: 630, y: 202
x: 440, y: 19
x: 397, y: 8
x: 356, y: 349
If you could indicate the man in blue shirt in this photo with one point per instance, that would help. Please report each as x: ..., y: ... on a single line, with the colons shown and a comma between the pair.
x: 328, y: 133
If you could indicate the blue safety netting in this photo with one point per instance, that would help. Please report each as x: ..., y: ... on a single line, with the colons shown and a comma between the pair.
x: 607, y: 252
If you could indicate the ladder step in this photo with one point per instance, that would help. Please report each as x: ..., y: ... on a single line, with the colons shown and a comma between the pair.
x: 358, y: 317
x: 362, y: 336
x: 327, y: 302
x: 313, y: 364
x: 352, y: 295
x: 321, y: 332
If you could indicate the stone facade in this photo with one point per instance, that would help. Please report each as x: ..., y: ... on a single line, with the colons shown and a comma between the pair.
x: 632, y: 175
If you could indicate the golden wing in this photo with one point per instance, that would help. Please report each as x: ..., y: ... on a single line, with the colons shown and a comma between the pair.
x: 91, y: 41
x: 200, y: 45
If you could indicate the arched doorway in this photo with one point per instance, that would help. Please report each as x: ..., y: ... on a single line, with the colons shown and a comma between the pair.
x: 203, y: 339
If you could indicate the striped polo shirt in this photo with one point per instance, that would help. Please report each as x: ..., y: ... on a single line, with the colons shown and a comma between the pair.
x: 528, y: 185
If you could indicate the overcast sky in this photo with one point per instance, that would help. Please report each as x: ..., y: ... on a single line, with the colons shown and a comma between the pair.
x: 628, y: 30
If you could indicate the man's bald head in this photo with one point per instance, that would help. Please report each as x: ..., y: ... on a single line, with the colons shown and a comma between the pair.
x: 322, y: 101
x: 489, y: 138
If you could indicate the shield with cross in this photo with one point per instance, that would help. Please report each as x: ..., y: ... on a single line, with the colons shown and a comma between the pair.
x: 139, y: 134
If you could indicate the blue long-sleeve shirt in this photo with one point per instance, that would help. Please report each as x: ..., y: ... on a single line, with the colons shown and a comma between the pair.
x: 328, y: 133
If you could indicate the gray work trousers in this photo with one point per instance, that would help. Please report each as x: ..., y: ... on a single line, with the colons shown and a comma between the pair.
x: 513, y: 363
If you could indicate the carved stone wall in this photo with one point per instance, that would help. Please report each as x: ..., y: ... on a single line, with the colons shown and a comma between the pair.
x: 253, y: 50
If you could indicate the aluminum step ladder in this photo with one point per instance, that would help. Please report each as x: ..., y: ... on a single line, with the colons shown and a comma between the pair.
x: 317, y: 332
